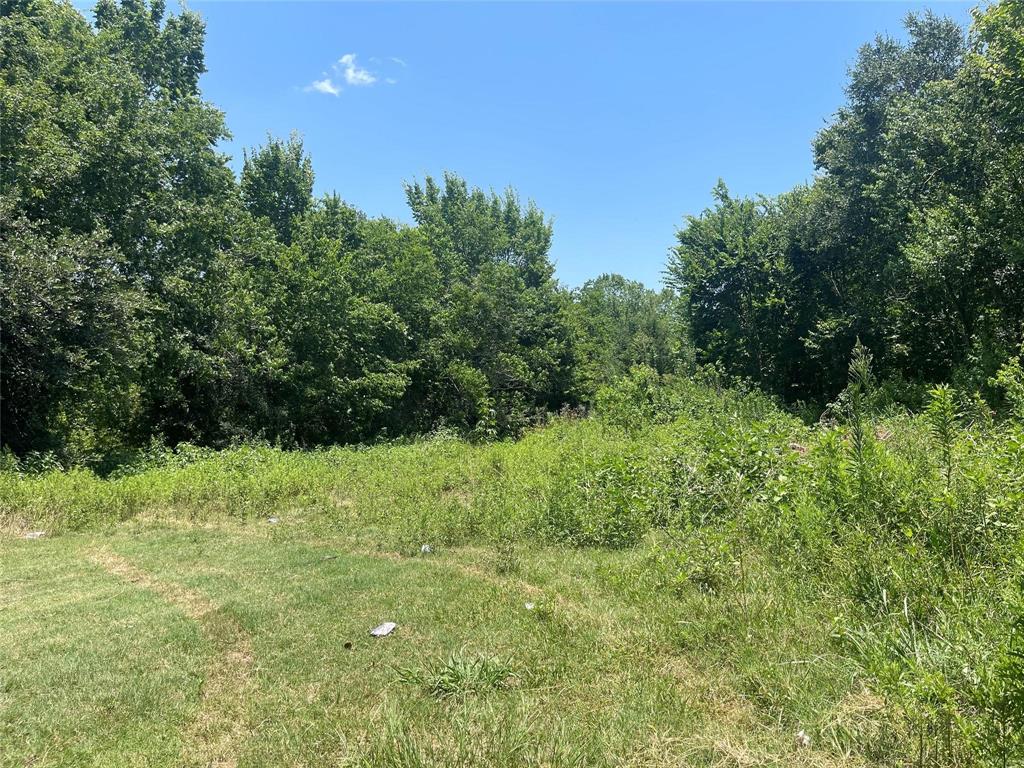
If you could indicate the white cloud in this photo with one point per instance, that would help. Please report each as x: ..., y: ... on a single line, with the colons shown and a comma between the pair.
x: 354, y: 74
x: 347, y: 70
x: 323, y: 86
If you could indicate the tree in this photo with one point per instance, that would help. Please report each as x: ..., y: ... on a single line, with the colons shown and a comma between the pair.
x: 71, y: 325
x: 501, y: 346
x: 909, y: 238
x: 277, y: 183
x: 468, y: 229
x: 625, y: 324
x: 227, y: 311
x: 105, y: 135
x: 342, y: 370
x: 736, y: 285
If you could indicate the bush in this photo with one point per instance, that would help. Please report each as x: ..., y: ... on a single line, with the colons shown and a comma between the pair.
x: 606, y: 498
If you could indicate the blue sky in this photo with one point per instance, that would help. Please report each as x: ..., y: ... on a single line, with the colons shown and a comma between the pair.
x: 617, y: 119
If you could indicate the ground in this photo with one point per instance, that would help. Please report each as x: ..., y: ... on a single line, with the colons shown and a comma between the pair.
x: 160, y: 643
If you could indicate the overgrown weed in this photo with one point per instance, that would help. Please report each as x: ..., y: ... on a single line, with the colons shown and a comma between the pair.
x: 875, y: 551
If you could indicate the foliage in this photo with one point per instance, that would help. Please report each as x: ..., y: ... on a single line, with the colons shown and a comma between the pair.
x: 277, y: 183
x: 224, y: 310
x: 169, y: 334
x: 501, y: 347
x: 625, y: 324
x: 227, y: 310
x: 909, y: 239
x: 70, y: 323
x: 461, y: 674
x: 1010, y: 378
x: 634, y: 400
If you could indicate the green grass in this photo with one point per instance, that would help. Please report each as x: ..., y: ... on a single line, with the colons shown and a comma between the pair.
x: 91, y: 673
x: 109, y: 673
x: 703, y: 584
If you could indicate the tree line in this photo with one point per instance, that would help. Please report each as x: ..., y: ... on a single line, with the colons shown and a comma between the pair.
x: 910, y: 237
x: 149, y: 293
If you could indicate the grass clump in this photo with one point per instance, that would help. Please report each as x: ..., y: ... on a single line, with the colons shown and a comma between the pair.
x: 461, y: 674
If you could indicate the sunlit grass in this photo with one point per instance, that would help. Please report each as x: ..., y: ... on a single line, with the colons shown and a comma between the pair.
x: 695, y: 591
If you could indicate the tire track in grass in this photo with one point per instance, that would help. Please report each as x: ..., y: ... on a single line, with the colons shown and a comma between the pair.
x: 218, y: 730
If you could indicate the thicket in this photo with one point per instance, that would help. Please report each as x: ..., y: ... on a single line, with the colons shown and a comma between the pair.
x: 148, y: 295
x: 910, y: 238
x: 153, y: 308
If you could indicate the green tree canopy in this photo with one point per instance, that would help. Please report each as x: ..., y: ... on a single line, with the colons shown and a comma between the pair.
x: 909, y: 239
x: 625, y: 324
x: 277, y: 183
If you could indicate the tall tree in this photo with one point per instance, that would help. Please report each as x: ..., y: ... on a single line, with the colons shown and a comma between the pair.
x: 277, y: 183
x: 71, y: 327
x: 105, y: 133
x: 909, y: 239
x: 732, y: 275
x: 501, y: 344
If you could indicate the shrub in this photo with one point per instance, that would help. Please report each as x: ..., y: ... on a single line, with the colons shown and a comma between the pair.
x: 605, y: 499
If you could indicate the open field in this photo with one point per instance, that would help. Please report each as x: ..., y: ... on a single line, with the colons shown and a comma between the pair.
x: 690, y: 579
x: 765, y: 511
x: 164, y: 645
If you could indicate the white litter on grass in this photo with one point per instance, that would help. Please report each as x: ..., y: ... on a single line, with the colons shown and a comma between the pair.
x: 384, y: 629
x: 273, y: 520
x: 802, y: 739
x: 35, y: 534
x: 426, y: 549
x: 530, y: 606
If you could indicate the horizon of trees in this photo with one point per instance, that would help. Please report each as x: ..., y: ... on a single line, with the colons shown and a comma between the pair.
x: 147, y: 293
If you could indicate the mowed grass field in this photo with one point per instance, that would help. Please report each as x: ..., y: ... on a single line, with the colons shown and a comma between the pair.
x: 154, y: 645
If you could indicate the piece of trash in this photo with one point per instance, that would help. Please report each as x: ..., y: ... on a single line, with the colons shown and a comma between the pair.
x: 384, y: 629
x: 426, y: 549
x: 273, y: 520
x: 802, y: 739
x: 530, y: 606
x: 35, y: 534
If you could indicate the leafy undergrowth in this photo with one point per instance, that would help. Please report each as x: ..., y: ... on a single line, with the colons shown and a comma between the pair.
x: 690, y: 577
